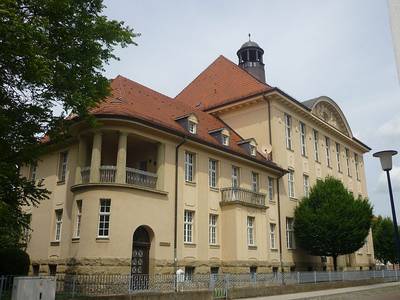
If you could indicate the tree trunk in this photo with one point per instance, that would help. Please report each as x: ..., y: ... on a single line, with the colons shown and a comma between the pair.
x: 334, y: 262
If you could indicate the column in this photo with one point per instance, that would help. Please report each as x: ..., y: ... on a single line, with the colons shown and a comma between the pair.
x: 81, y: 159
x: 96, y: 158
x: 160, y: 166
x: 121, y: 158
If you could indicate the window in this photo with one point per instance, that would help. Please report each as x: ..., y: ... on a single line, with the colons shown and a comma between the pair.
x: 316, y: 153
x: 225, y: 140
x: 78, y: 218
x: 57, y: 235
x: 192, y: 127
x: 250, y: 231
x: 62, y: 166
x: 291, y: 183
x: 338, y: 157
x: 303, y: 139
x: 104, y: 217
x: 188, y: 226
x: 306, y: 185
x: 212, y: 172
x: 272, y: 235
x: 235, y: 177
x: 32, y: 171
x: 348, y: 162
x: 255, y: 182
x: 356, y: 164
x: 253, y: 272
x: 270, y: 188
x: 212, y: 229
x: 328, y: 153
x: 288, y: 131
x: 289, y: 233
x: 35, y: 269
x: 52, y: 270
x: 253, y: 151
x: 214, y: 270
x: 190, y: 159
x: 189, y: 271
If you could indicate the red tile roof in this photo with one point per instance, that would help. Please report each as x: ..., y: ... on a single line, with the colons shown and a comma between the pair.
x: 221, y: 82
x: 132, y: 100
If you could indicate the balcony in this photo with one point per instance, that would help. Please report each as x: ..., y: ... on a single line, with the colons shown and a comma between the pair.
x: 139, y: 177
x: 233, y: 195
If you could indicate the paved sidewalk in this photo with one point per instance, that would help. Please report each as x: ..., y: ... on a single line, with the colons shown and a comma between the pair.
x: 382, y: 291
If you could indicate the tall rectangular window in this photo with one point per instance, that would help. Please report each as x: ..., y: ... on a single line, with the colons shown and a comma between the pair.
x: 104, y: 217
x: 212, y: 229
x: 190, y: 160
x: 235, y: 177
x: 255, y: 186
x: 58, y: 223
x: 315, y: 138
x: 338, y: 157
x: 62, y: 166
x: 303, y: 140
x: 250, y: 231
x: 270, y: 188
x: 306, y: 185
x: 32, y: 171
x: 78, y: 219
x: 288, y: 131
x: 291, y: 183
x: 327, y: 150
x: 348, y: 162
x: 356, y: 164
x: 212, y: 173
x: 272, y: 235
x: 188, y: 226
x: 289, y: 233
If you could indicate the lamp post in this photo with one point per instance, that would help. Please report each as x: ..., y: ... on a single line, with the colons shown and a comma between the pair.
x: 386, y: 163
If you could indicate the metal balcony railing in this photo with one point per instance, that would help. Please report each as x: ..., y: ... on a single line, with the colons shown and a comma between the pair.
x: 232, y: 194
x: 85, y: 174
x: 107, y: 173
x: 139, y: 177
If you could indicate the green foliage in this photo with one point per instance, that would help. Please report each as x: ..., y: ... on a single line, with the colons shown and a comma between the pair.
x: 14, y: 226
x: 52, y: 54
x: 331, y: 222
x: 383, y: 237
x: 14, y: 261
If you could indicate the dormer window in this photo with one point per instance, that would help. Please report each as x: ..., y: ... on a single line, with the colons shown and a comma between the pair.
x: 250, y: 145
x: 221, y: 135
x: 253, y: 151
x: 192, y: 127
x: 225, y: 140
x: 189, y: 122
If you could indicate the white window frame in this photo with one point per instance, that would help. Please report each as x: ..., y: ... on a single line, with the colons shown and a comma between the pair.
x: 253, y: 151
x: 272, y: 236
x: 225, y: 140
x: 291, y: 183
x: 78, y: 220
x: 104, y: 218
x: 188, y: 226
x: 338, y: 157
x: 190, y: 166
x: 327, y: 150
x: 290, y: 233
x: 306, y: 185
x: 251, y: 241
x: 58, y: 224
x: 192, y: 127
x: 213, y: 229
x: 288, y: 131
x: 348, y: 162
x: 356, y: 166
x: 62, y: 166
x: 255, y: 182
x: 303, y: 140
x: 235, y: 176
x: 212, y: 173
x: 316, y: 151
x: 271, y: 188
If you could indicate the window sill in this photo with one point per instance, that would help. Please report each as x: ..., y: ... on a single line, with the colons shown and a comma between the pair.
x: 272, y: 202
x: 190, y: 183
x: 214, y: 189
x: 76, y: 240
x: 291, y: 249
x: 61, y: 182
x: 289, y: 149
x: 317, y: 161
x: 214, y: 246
x: 55, y: 243
x: 293, y: 199
x: 189, y: 245
x: 102, y: 239
x: 304, y: 156
x: 252, y: 247
x: 274, y: 249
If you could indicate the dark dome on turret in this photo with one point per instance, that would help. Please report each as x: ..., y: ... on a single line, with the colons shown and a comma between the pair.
x: 251, y: 59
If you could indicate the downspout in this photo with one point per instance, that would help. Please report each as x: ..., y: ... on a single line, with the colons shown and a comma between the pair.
x: 279, y: 222
x: 269, y: 121
x: 176, y: 204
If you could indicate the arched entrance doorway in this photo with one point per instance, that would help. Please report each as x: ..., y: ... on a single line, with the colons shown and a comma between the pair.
x: 140, y: 252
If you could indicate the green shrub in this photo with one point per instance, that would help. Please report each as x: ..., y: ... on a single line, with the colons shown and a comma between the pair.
x: 14, y: 261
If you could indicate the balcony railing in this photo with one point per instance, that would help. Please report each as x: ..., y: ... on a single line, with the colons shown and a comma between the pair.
x: 232, y: 194
x: 107, y: 173
x: 139, y: 177
x: 85, y: 174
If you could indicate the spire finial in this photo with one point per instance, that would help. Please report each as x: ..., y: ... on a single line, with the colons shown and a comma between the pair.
x: 249, y: 36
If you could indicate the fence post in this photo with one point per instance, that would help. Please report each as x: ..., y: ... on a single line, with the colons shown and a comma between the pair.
x: 329, y: 274
x: 315, y: 276
x: 395, y: 271
x: 343, y: 275
x: 383, y: 273
x: 298, y: 277
x: 73, y: 285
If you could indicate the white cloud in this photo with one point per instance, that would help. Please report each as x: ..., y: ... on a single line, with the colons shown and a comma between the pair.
x: 382, y: 186
x: 390, y: 128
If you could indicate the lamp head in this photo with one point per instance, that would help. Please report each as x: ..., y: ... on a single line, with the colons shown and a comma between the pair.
x: 386, y: 158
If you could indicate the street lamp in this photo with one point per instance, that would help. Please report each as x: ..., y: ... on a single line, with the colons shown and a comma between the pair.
x: 386, y: 162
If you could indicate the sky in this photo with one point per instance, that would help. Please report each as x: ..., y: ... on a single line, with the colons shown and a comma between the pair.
x: 338, y: 48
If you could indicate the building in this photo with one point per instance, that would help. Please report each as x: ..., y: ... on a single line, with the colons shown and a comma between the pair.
x: 207, y: 181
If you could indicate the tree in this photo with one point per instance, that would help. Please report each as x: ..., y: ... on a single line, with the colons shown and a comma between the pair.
x: 331, y: 222
x: 383, y: 237
x: 52, y: 54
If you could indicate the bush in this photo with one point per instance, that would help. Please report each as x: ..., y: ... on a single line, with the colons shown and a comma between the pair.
x: 14, y: 261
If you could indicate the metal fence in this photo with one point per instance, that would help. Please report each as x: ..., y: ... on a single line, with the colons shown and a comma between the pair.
x: 94, y: 285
